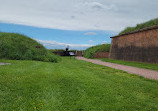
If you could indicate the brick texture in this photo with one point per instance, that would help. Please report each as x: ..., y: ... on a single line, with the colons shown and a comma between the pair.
x: 101, y: 55
x: 140, y: 46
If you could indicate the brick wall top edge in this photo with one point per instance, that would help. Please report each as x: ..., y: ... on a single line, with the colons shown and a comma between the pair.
x: 145, y: 29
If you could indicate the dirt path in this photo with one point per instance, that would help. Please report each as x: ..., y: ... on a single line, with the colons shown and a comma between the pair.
x: 151, y: 74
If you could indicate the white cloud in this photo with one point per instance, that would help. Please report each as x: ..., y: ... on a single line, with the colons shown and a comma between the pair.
x: 58, y: 45
x: 78, y: 14
x: 95, y: 5
x: 90, y: 33
x: 90, y: 41
x: 106, y: 42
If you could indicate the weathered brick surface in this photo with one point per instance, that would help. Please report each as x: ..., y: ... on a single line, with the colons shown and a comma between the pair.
x: 140, y: 46
x: 101, y: 55
x: 79, y: 53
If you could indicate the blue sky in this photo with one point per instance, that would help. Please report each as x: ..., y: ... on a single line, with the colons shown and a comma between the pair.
x: 77, y: 23
x: 51, y: 38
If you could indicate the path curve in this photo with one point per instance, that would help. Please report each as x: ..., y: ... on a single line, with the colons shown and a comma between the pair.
x: 150, y: 74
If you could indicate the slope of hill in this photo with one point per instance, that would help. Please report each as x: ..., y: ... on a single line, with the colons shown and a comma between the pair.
x: 19, y: 47
x: 89, y: 53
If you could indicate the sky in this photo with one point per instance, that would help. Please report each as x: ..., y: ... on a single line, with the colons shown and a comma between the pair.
x: 77, y: 23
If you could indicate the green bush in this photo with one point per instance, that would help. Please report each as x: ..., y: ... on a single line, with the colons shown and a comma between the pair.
x: 19, y: 47
x: 150, y: 23
x: 90, y: 52
x: 56, y: 50
x: 51, y: 58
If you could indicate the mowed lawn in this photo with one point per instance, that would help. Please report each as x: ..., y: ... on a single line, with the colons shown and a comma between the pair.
x: 73, y: 85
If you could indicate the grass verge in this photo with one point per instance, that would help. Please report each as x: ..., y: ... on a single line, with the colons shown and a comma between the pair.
x: 131, y: 63
x: 73, y: 85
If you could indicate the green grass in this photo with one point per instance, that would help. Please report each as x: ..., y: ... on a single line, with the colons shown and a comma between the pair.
x: 90, y: 52
x: 131, y: 63
x: 20, y: 47
x: 73, y: 85
x: 150, y: 23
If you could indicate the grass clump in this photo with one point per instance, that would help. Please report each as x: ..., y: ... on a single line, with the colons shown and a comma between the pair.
x: 147, y: 24
x: 20, y: 47
x: 90, y: 52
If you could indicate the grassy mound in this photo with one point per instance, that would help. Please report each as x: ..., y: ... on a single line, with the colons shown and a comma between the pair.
x: 150, y: 23
x: 90, y: 52
x: 19, y: 47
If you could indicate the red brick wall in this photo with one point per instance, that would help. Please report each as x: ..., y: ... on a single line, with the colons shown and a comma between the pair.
x: 140, y: 46
x: 101, y: 55
x: 79, y: 53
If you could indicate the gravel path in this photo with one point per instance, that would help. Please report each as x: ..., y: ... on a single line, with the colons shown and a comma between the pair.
x: 151, y: 74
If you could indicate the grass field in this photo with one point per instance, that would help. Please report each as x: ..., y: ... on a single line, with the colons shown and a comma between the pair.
x: 131, y: 63
x: 73, y: 85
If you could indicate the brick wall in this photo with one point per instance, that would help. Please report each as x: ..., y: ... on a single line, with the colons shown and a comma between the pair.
x: 101, y: 55
x: 79, y: 53
x: 141, y: 46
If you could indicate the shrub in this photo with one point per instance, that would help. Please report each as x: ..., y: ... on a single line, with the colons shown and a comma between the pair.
x: 56, y: 50
x: 19, y: 47
x: 51, y: 58
x: 90, y: 52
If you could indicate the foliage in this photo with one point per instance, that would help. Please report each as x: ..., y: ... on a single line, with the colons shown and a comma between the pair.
x: 150, y: 23
x: 90, y: 52
x: 19, y: 47
x: 56, y: 50
x: 73, y: 85
x: 74, y: 50
x: 60, y: 50
x: 132, y: 63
